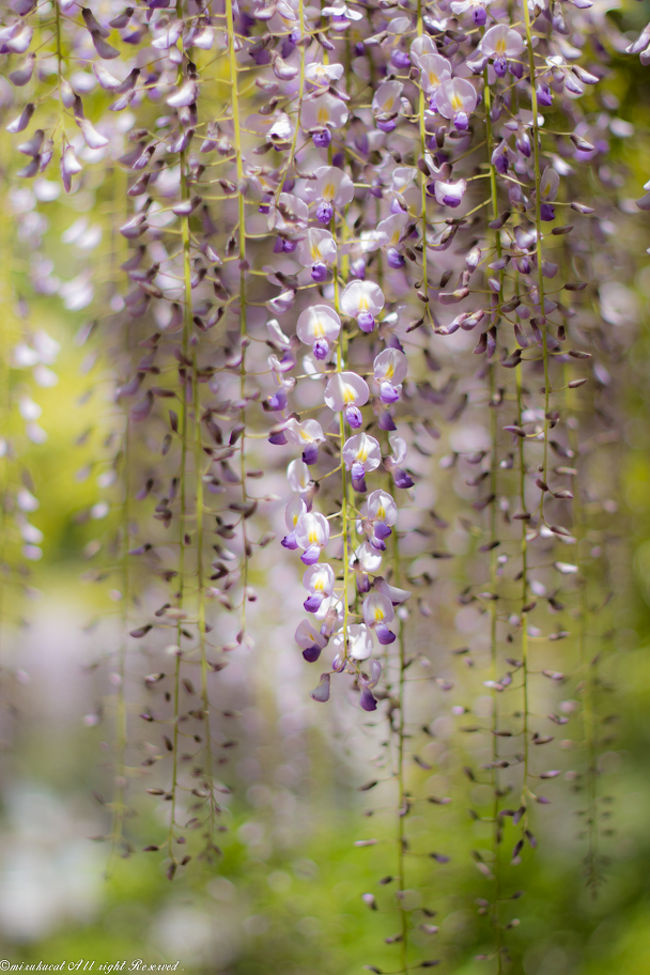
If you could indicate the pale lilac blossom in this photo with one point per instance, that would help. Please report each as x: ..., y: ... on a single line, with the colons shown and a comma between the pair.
x: 476, y: 7
x: 450, y: 193
x: 364, y: 301
x: 401, y: 477
x: 318, y: 252
x: 310, y: 640
x: 504, y: 45
x: 434, y: 71
x: 346, y: 392
x: 341, y: 15
x: 319, y: 580
x: 323, y: 75
x: 298, y: 477
x: 312, y: 534
x: 392, y: 230
x: 366, y: 559
x: 359, y: 641
x: 548, y: 187
x: 378, y: 613
x: 292, y: 515
x: 390, y: 368
x: 386, y: 104
x: 361, y: 453
x: 332, y: 188
x: 456, y: 99
x: 318, y: 326
x: 379, y: 514
x: 308, y: 434
x: 320, y: 115
x: 396, y: 595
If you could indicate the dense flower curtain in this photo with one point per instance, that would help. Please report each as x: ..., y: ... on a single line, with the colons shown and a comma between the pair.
x: 350, y: 271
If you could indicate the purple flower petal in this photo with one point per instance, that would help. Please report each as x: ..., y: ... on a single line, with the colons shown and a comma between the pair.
x: 367, y: 700
x: 384, y: 635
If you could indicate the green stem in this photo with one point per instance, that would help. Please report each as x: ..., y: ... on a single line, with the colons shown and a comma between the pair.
x: 423, y: 178
x: 402, y: 798
x: 538, y: 240
x: 187, y: 328
x: 587, y: 667
x: 200, y: 581
x: 243, y: 327
x: 121, y: 728
x: 524, y: 584
x: 493, y: 551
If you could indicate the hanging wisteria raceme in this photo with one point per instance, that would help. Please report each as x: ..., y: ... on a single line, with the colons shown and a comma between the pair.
x: 350, y: 300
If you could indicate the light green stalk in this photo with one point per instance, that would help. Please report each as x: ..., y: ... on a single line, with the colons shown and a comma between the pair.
x: 241, y: 204
x: 538, y: 240
x: 487, y: 97
x: 423, y: 178
x: 182, y: 517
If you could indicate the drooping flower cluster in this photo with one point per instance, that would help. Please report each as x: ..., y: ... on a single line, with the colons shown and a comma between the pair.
x: 343, y: 620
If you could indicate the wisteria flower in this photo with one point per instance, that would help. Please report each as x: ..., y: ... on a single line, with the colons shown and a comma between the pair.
x: 290, y: 215
x: 456, y: 99
x: 318, y: 251
x: 310, y: 640
x: 421, y: 45
x: 390, y: 369
x: 362, y: 300
x: 319, y: 580
x: 321, y: 114
x: 448, y: 193
x: 321, y: 75
x: 548, y: 187
x: 318, y: 326
x: 312, y: 533
x: 379, y: 515
x: 281, y: 132
x: 345, y: 391
x: 341, y: 15
x: 392, y: 230
x: 477, y: 8
x: 276, y: 334
x: 393, y: 463
x: 331, y: 188
x: 361, y: 453
x: 279, y: 366
x: 367, y: 700
x: 378, y: 612
x: 308, y: 435
x: 381, y: 508
x: 396, y: 595
x: 298, y: 476
x: 365, y: 560
x: 359, y: 641
x: 386, y: 104
x: 292, y: 515
x: 504, y: 45
x: 434, y: 71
